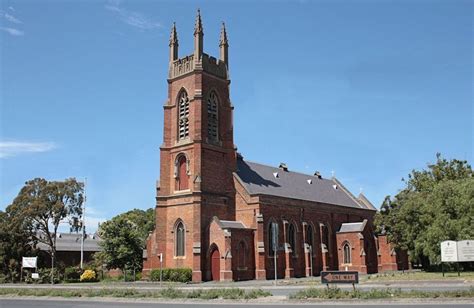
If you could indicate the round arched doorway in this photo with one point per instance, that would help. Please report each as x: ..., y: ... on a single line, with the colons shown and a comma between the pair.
x: 215, y: 264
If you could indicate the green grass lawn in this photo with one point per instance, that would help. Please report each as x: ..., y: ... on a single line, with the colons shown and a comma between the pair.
x: 418, y: 275
x: 336, y: 293
x: 168, y: 293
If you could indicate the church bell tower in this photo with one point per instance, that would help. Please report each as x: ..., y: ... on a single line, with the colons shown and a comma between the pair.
x: 197, y: 156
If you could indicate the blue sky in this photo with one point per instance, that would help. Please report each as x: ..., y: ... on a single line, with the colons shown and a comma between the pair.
x: 367, y: 89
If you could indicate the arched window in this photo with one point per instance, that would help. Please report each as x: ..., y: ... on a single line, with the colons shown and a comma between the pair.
x: 292, y: 238
x: 324, y: 237
x: 183, y: 115
x: 180, y: 234
x: 212, y: 117
x: 272, y: 244
x: 347, y: 253
x: 182, y: 177
x: 309, y: 236
x: 242, y: 255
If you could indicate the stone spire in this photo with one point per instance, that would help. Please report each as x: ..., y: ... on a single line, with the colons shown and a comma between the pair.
x: 224, y: 46
x: 198, y: 38
x: 173, y: 43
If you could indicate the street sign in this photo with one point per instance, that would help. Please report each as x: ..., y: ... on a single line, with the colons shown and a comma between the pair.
x: 340, y: 277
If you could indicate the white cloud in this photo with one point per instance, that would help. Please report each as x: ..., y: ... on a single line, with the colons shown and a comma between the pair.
x: 12, y: 31
x: 11, y: 8
x: 12, y: 19
x: 134, y: 19
x: 14, y: 148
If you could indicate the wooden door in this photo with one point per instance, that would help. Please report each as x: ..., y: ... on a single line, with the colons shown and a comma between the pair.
x: 215, y: 265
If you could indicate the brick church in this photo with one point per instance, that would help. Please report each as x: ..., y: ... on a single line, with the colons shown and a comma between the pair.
x: 216, y: 211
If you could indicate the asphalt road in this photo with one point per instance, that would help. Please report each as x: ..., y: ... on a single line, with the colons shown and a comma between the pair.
x: 46, y: 303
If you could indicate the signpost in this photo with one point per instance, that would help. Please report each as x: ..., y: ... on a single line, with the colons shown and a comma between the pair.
x: 28, y: 262
x: 340, y: 277
x: 466, y: 251
x: 461, y: 251
x: 275, y: 246
x: 161, y: 268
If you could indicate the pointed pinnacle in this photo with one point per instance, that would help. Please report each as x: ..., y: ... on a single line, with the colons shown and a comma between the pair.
x: 174, y: 35
x: 198, y: 26
x: 223, y: 39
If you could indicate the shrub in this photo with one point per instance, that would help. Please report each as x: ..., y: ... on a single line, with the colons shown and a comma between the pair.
x: 88, y: 276
x: 171, y: 293
x: 72, y: 274
x: 45, y: 275
x: 172, y: 274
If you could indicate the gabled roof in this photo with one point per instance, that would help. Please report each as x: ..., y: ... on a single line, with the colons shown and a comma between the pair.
x: 72, y: 242
x: 229, y: 224
x: 260, y: 179
x: 353, y: 226
x: 363, y: 199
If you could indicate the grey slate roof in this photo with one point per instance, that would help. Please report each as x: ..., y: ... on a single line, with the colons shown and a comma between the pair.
x: 260, y: 179
x: 72, y: 242
x: 363, y: 199
x: 353, y: 227
x: 229, y: 224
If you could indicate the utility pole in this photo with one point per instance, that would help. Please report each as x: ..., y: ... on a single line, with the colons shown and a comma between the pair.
x: 83, y: 223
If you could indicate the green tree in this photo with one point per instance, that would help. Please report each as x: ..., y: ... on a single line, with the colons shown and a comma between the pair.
x: 42, y: 205
x: 436, y: 204
x: 124, y: 237
x: 15, y: 243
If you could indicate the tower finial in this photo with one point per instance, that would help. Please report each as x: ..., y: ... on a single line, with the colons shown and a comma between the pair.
x: 224, y: 46
x: 198, y: 25
x: 173, y: 43
x: 198, y: 38
x: 223, y: 39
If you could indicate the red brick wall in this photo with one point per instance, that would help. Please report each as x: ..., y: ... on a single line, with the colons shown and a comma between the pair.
x: 391, y: 259
x: 358, y: 255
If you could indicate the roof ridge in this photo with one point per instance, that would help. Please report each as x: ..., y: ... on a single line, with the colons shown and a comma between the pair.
x: 289, y: 171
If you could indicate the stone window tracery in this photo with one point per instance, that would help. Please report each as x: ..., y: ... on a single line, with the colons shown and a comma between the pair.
x: 347, y: 253
x: 180, y: 234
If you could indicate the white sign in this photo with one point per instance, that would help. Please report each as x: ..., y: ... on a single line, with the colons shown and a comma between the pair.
x: 29, y: 262
x: 449, y: 251
x: 161, y: 257
x: 466, y: 251
x: 35, y: 276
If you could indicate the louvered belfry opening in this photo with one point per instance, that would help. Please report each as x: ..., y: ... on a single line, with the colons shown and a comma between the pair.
x: 212, y: 117
x: 183, y: 115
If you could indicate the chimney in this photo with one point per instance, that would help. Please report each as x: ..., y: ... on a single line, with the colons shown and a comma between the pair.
x: 283, y: 167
